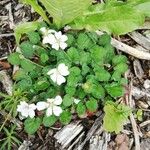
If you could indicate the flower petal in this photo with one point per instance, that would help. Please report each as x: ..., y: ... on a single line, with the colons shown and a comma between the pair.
x: 49, y: 111
x: 22, y: 106
x: 52, y: 71
x: 51, y: 38
x: 63, y: 69
x: 63, y: 45
x: 76, y: 101
x: 54, y: 77
x: 55, y: 46
x: 50, y: 100
x: 64, y: 38
x: 58, y: 100
x: 31, y: 113
x: 43, y: 30
x: 46, y: 40
x: 25, y: 113
x: 58, y: 35
x: 60, y: 79
x: 41, y: 105
x: 32, y: 107
x: 57, y: 110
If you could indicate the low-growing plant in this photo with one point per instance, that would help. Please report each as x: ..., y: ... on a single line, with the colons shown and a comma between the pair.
x: 69, y: 74
x: 10, y: 138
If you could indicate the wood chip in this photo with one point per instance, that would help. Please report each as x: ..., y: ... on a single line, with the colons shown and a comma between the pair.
x: 97, y: 124
x: 6, y: 81
x: 138, y: 69
x: 140, y: 39
x: 68, y: 133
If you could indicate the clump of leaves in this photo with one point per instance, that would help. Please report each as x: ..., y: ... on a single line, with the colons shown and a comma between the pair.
x: 116, y: 115
x: 10, y: 138
x: 111, y: 16
x: 95, y: 72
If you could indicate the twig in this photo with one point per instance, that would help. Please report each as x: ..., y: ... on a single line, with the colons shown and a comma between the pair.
x: 6, y: 35
x: 133, y: 122
x: 130, y: 50
x: 145, y: 123
x: 140, y: 39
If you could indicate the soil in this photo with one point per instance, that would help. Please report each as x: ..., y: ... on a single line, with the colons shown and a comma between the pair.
x: 13, y: 13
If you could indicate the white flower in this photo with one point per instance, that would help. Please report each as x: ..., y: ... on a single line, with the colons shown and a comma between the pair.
x: 59, y: 41
x: 52, y: 106
x: 48, y: 37
x: 76, y: 101
x: 26, y: 109
x: 57, y: 74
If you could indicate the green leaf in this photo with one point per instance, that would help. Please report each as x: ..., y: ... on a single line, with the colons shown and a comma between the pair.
x: 67, y: 100
x: 84, y: 58
x: 49, y: 121
x: 64, y: 12
x: 92, y: 105
x: 122, y: 68
x: 110, y: 53
x: 34, y: 37
x: 116, y: 115
x: 27, y: 65
x: 83, y: 41
x: 25, y: 28
x: 73, y: 55
x: 14, y: 58
x: 34, y: 4
x: 115, y: 89
x: 65, y: 117
x: 141, y: 5
x: 19, y: 74
x: 102, y: 75
x: 41, y: 84
x: 32, y: 125
x: 44, y: 57
x: 27, y: 49
x: 104, y: 39
x: 119, y: 59
x: 81, y: 109
x: 70, y: 90
x: 24, y: 84
x: 98, y: 54
x: 118, y: 19
x: 98, y: 91
x: 70, y: 40
x: 116, y: 76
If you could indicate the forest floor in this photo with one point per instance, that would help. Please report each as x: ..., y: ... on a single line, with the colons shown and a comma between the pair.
x: 135, y: 133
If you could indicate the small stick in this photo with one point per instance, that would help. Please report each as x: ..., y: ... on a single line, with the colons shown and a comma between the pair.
x: 130, y: 50
x: 6, y: 35
x: 140, y: 39
x: 145, y: 123
x: 133, y: 122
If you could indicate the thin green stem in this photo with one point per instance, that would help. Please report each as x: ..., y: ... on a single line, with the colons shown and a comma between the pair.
x: 4, y: 95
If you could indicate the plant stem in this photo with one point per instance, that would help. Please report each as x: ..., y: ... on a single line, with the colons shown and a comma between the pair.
x: 4, y: 95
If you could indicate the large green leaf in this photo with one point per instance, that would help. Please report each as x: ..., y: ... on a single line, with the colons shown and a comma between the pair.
x: 37, y: 8
x: 65, y: 11
x: 25, y: 28
x: 118, y: 19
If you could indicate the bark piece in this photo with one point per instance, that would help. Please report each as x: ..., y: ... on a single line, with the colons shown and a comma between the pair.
x: 6, y: 81
x: 99, y: 143
x: 68, y: 133
x: 140, y: 39
x: 138, y: 69
x: 97, y: 124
